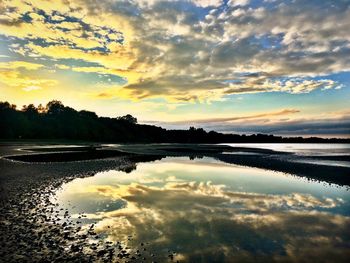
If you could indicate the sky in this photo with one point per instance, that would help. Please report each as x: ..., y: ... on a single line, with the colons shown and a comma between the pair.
x: 235, y: 66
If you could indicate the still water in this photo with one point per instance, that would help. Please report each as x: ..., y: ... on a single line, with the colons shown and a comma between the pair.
x: 203, y: 210
x: 303, y: 149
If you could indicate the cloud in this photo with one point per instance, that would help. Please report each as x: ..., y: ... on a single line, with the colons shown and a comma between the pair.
x: 181, y: 52
x: 293, y: 86
x: 238, y: 2
x: 331, y: 126
x: 13, y: 74
x: 288, y: 122
x: 31, y: 88
x: 62, y: 66
x: 207, y: 3
x: 14, y: 78
x: 238, y: 118
x: 19, y: 65
x: 105, y: 95
x: 233, y: 53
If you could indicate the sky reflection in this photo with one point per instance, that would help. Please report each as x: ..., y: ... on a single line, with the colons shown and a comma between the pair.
x: 208, y: 211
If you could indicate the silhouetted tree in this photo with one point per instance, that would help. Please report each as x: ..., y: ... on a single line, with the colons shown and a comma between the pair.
x: 56, y: 121
x: 41, y: 108
x: 54, y: 107
x: 128, y: 118
x: 30, y: 110
x: 88, y: 114
x: 7, y: 106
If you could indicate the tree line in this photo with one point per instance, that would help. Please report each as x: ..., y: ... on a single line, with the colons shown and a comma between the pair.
x: 56, y: 121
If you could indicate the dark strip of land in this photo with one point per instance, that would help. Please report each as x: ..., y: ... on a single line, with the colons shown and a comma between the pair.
x: 252, y: 157
x: 330, y: 174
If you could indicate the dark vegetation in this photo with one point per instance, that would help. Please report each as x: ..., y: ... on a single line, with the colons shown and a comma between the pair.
x: 56, y: 121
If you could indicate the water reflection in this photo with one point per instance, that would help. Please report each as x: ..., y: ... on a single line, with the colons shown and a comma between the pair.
x: 315, y: 149
x: 208, y: 211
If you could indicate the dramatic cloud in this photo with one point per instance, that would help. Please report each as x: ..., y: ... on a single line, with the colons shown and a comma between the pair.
x: 172, y: 54
x: 189, y: 50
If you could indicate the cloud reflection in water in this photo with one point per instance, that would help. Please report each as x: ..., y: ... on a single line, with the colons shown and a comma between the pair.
x: 210, y: 220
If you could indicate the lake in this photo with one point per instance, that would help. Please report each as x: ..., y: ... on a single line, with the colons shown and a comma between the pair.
x: 204, y: 210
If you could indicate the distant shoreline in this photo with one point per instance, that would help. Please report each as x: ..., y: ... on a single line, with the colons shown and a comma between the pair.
x: 84, y: 142
x: 57, y: 122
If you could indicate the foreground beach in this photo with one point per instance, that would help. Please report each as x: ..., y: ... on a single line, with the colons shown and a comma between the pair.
x: 35, y: 228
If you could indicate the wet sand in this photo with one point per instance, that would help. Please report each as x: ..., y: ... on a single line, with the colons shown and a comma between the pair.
x: 33, y: 230
x: 66, y: 156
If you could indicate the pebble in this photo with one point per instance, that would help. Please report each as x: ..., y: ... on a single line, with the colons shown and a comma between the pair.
x: 33, y: 228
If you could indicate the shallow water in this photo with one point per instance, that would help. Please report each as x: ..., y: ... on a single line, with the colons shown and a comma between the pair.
x: 203, y: 210
x: 301, y: 148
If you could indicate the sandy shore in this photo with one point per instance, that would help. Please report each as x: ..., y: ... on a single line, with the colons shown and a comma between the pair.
x: 31, y: 227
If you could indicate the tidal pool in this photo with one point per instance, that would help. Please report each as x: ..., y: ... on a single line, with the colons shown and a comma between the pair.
x: 203, y: 210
